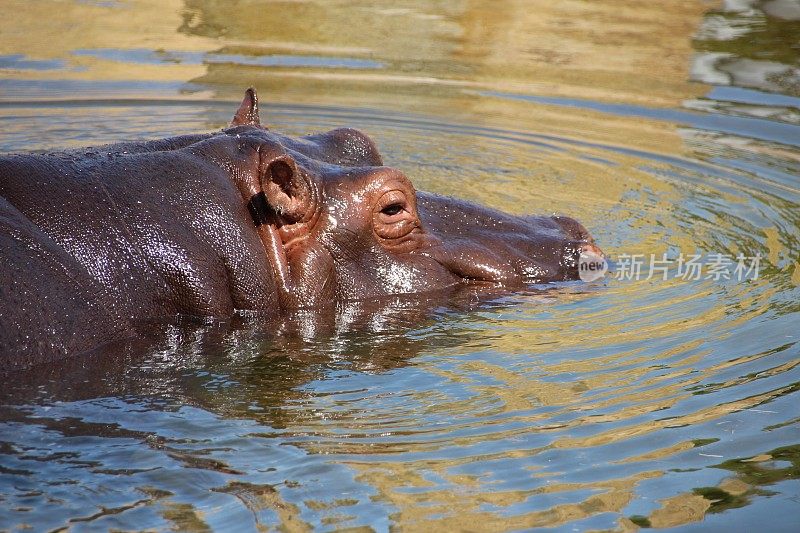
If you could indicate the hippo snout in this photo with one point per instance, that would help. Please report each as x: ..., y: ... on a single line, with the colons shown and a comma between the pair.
x: 580, y: 248
x: 583, y: 260
x: 573, y: 229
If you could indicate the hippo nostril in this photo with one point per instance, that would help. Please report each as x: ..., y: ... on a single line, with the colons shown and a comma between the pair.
x: 572, y: 228
x: 590, y: 248
x: 578, y: 255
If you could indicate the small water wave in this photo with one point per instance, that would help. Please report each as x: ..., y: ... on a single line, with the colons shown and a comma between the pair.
x: 650, y: 401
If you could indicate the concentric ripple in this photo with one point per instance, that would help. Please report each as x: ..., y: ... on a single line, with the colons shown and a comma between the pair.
x: 649, y: 400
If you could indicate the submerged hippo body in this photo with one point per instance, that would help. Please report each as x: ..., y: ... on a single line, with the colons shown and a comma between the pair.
x: 97, y: 241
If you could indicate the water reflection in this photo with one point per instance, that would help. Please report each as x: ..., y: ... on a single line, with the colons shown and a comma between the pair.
x: 752, y: 477
x: 750, y: 43
x: 620, y: 404
x: 190, y: 361
x: 539, y: 408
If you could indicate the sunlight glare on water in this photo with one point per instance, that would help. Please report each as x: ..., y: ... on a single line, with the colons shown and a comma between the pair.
x: 611, y: 405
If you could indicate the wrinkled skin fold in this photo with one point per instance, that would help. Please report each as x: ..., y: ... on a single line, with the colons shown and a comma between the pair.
x: 97, y: 241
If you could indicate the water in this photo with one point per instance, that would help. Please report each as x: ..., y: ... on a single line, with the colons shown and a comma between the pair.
x: 605, y: 406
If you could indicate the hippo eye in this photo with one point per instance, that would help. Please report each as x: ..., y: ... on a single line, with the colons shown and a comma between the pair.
x: 394, y: 214
x: 392, y: 209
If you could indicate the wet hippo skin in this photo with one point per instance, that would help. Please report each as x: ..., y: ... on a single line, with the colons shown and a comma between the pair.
x: 97, y: 241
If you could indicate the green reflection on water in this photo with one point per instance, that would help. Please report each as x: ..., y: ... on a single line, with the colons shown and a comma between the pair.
x: 551, y: 408
x: 762, y: 37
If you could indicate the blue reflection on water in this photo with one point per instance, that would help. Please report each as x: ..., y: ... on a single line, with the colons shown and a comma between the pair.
x: 156, y: 57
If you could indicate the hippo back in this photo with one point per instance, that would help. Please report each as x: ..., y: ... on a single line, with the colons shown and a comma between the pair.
x: 95, y: 241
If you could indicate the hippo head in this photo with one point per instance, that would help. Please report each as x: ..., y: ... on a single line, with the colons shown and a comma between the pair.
x: 337, y: 224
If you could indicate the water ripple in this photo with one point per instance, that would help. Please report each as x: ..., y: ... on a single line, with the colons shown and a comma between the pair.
x: 595, y: 406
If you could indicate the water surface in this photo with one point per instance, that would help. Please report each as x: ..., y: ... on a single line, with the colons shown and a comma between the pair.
x: 613, y: 405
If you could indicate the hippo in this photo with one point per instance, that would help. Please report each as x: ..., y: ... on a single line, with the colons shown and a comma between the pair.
x: 98, y: 241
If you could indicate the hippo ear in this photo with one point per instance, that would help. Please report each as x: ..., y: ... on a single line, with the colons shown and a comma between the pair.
x: 247, y: 114
x: 285, y: 189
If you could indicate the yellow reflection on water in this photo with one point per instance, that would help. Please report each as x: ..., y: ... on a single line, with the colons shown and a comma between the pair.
x: 54, y: 30
x: 441, y: 58
x: 606, y: 50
